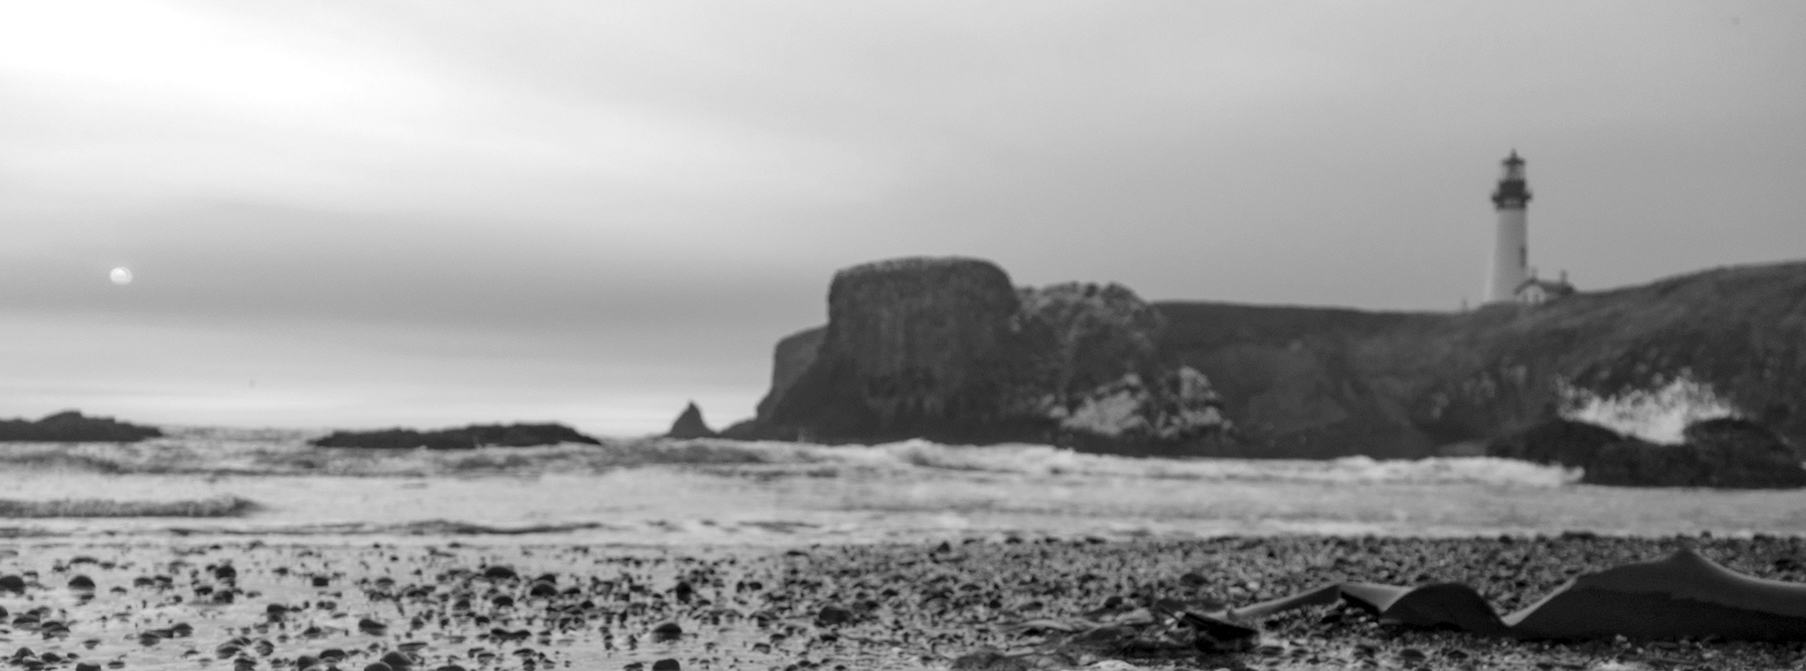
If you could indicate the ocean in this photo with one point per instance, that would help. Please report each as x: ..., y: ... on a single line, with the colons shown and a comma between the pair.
x: 197, y: 483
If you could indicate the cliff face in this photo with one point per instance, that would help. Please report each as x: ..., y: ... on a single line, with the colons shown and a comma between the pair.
x: 1310, y: 382
x: 914, y: 346
x: 1086, y: 335
x: 946, y: 349
x: 794, y: 355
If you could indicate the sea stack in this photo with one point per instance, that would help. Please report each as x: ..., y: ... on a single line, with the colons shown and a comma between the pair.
x: 913, y: 347
x: 689, y: 424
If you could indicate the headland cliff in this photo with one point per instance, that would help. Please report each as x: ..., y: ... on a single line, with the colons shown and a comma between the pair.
x: 950, y: 350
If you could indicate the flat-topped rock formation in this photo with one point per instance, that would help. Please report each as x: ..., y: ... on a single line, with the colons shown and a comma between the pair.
x: 945, y: 349
x: 465, y: 438
x: 71, y: 426
x: 948, y: 349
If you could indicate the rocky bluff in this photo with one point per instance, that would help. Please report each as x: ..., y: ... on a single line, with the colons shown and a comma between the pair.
x: 948, y: 349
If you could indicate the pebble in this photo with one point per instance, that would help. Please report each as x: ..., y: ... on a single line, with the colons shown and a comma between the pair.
x: 832, y: 614
x: 668, y: 631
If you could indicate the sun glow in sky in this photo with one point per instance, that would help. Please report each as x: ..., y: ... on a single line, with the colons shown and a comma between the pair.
x: 442, y: 212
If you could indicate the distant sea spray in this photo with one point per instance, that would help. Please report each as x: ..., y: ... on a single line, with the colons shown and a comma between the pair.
x: 1657, y: 415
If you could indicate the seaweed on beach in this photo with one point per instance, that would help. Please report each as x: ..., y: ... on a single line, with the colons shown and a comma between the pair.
x: 221, y: 506
x: 1682, y: 595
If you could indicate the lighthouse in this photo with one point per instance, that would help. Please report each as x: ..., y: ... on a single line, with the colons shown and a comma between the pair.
x: 1511, y: 245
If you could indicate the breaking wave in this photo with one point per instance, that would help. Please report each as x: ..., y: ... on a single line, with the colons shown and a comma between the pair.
x: 233, y: 452
x: 1656, y: 415
x: 1044, y: 460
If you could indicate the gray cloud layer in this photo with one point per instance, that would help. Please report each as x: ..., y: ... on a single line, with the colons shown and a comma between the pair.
x: 598, y: 183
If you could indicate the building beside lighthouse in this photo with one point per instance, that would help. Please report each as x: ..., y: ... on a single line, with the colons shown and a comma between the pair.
x: 1512, y: 279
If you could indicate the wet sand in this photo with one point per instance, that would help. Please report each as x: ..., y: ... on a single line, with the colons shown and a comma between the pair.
x: 430, y: 604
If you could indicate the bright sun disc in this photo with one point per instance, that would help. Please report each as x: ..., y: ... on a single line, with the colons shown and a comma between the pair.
x: 121, y: 275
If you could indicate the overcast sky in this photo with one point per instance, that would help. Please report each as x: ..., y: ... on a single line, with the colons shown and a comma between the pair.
x: 353, y: 214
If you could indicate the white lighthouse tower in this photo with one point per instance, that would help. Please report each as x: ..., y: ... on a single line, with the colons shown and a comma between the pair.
x: 1511, y: 244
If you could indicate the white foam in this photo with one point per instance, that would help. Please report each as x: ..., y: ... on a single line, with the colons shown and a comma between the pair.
x: 1045, y: 460
x: 1657, y: 416
x: 287, y: 454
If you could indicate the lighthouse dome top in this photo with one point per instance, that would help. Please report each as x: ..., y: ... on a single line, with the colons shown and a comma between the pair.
x: 1513, y: 167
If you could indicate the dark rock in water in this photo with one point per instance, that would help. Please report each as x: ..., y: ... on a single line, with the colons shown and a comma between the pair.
x: 72, y: 426
x: 1725, y: 452
x: 470, y: 437
x: 1557, y: 441
x: 689, y: 424
x: 666, y: 665
x: 1742, y: 436
x: 12, y: 583
x: 1729, y: 453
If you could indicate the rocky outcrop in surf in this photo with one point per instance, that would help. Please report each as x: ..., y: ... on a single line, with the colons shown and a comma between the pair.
x: 945, y: 349
x: 689, y: 424
x: 465, y: 438
x: 70, y: 426
x: 1723, y: 452
x: 1562, y: 442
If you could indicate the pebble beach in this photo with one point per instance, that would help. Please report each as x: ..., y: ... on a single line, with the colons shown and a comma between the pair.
x: 970, y: 603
